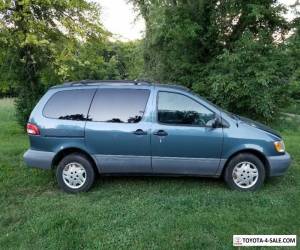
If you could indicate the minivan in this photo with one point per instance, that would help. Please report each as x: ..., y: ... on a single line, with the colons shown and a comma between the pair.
x: 81, y: 129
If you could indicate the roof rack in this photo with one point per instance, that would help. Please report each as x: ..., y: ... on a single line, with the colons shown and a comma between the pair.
x: 96, y: 82
x: 119, y: 82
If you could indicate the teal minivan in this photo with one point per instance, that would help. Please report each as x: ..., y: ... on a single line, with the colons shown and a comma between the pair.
x: 85, y: 128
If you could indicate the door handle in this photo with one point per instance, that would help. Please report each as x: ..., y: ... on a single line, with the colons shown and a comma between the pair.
x: 140, y: 132
x: 161, y: 133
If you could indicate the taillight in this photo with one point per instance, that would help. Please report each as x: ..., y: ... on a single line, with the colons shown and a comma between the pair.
x: 32, y: 129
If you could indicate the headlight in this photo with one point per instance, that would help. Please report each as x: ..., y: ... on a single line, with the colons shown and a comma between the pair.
x: 279, y: 146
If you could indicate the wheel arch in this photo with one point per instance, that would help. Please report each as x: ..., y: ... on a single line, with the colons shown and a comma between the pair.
x: 255, y: 152
x: 66, y: 151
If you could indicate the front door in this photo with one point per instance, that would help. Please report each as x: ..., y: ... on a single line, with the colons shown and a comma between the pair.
x: 182, y: 141
x: 117, y: 134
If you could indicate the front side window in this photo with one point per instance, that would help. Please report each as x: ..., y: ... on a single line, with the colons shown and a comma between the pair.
x: 69, y: 104
x: 119, y: 105
x: 178, y: 109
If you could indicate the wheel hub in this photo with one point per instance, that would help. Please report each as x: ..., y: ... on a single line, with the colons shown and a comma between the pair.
x: 74, y: 175
x: 245, y: 174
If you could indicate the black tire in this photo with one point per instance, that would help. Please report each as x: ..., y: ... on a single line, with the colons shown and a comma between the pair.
x: 239, y: 159
x: 85, y: 163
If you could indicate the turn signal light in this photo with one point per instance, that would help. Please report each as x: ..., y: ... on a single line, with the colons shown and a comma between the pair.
x: 279, y: 146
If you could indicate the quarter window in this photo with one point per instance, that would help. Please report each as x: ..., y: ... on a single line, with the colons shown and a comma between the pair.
x: 119, y: 105
x: 69, y: 104
x: 179, y: 109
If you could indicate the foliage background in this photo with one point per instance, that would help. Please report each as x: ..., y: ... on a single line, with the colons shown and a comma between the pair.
x: 243, y: 56
x: 256, y: 75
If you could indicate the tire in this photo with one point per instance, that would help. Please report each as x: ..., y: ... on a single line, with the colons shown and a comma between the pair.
x: 75, y: 173
x: 245, y: 172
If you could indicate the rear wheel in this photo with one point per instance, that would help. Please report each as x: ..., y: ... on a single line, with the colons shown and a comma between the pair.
x: 245, y: 172
x: 75, y: 173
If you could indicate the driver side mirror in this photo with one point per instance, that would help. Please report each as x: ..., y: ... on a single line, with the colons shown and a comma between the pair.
x: 214, y: 123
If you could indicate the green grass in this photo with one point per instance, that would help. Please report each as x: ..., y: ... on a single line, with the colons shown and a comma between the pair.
x: 293, y: 108
x: 136, y: 213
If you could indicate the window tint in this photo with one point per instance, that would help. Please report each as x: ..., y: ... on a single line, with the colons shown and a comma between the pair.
x: 119, y: 105
x: 179, y: 109
x: 69, y: 105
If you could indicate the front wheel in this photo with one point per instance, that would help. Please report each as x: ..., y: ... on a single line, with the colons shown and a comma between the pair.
x: 75, y: 173
x: 245, y: 172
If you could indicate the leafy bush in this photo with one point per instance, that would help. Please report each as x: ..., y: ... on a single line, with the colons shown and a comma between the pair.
x: 232, y: 52
x: 294, y: 60
x: 251, y: 80
x: 44, y: 43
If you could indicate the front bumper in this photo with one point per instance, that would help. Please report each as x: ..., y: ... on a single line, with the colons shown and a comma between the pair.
x: 38, y: 159
x: 279, y: 164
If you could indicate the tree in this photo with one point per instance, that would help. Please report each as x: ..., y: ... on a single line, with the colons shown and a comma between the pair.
x: 7, y: 87
x: 100, y: 59
x: 252, y: 79
x: 33, y: 34
x: 223, y: 49
x: 129, y: 57
x: 293, y: 50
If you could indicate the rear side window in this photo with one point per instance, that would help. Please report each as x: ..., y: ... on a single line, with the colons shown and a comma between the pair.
x: 119, y: 105
x: 69, y: 104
